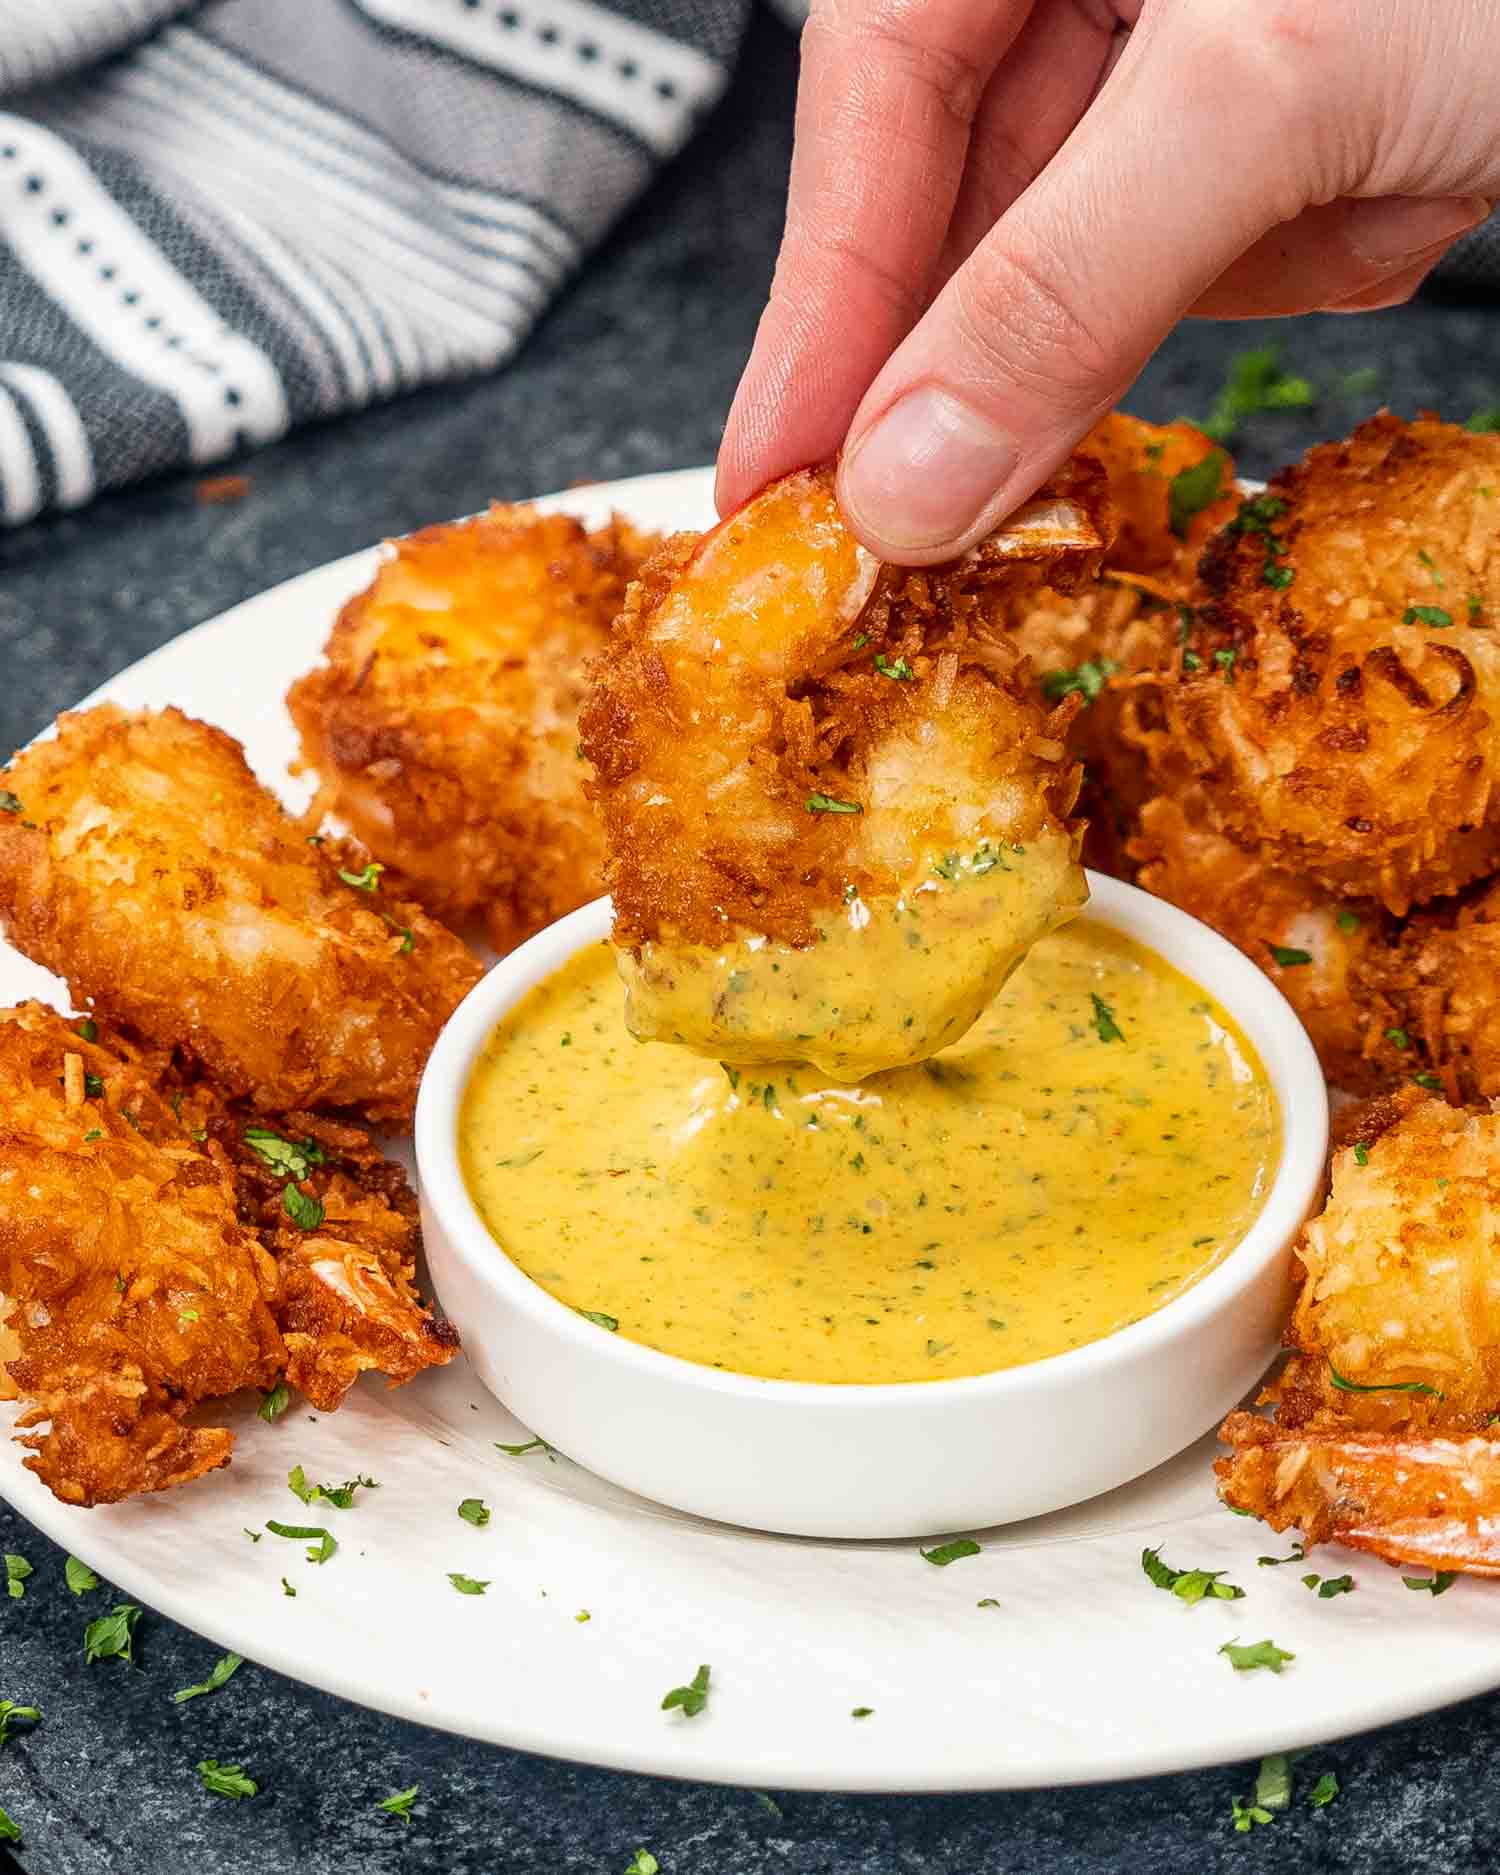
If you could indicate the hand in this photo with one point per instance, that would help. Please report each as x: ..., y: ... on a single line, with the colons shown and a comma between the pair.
x: 999, y: 208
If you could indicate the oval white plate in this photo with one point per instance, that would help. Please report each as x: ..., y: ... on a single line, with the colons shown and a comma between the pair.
x: 1083, y: 1671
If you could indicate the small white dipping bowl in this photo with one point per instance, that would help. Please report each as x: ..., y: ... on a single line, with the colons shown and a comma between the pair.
x: 913, y: 1459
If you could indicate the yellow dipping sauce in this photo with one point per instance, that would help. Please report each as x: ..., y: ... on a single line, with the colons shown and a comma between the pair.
x: 1099, y: 1139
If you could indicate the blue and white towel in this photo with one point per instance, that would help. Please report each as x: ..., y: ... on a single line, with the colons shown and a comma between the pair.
x: 220, y: 219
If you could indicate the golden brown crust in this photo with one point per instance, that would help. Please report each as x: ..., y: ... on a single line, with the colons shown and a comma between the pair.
x: 444, y: 722
x: 770, y: 665
x: 1341, y: 698
x: 147, y: 866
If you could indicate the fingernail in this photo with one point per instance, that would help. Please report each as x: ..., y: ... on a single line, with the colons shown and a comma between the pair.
x: 925, y: 472
x: 1400, y: 227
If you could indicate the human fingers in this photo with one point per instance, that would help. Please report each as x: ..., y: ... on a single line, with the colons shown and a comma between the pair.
x: 885, y: 102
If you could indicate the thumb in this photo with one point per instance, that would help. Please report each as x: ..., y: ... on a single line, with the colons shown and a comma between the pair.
x: 1198, y: 144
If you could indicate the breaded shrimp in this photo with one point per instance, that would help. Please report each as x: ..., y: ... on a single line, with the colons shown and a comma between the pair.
x: 837, y: 815
x: 1381, y: 1434
x: 1339, y: 697
x: 141, y: 860
x: 444, y: 724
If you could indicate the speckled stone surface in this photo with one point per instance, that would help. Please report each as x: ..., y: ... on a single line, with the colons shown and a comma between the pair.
x: 633, y: 372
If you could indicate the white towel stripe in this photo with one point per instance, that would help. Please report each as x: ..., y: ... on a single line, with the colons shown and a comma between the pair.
x: 20, y: 478
x: 224, y: 385
x: 55, y: 411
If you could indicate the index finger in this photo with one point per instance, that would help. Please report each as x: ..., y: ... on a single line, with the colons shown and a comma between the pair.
x: 885, y: 105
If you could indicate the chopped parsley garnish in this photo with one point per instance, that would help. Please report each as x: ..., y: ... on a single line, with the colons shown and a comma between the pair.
x: 1246, y: 1658
x: 399, y: 1802
x: 1476, y: 606
x: 861, y: 1712
x: 1255, y: 382
x: 475, y: 1511
x: 600, y: 1319
x: 1193, y: 489
x: 1225, y: 661
x: 1329, y: 1586
x: 946, y: 1553
x: 466, y: 1585
x: 1087, y: 679
x: 1191, y: 661
x: 224, y: 1668
x: 324, y: 1544
x: 692, y: 1698
x: 1246, y: 1815
x: 1380, y: 1386
x: 93, y: 1086
x: 226, y: 1780
x: 16, y: 1571
x: 1277, y: 575
x: 1484, y: 421
x: 10, y: 1830
x: 112, y: 1636
x: 1324, y: 1791
x: 1426, y: 615
x: 1188, y: 1585
x: 1299, y: 1554
x: 89, y: 1030
x: 366, y: 881
x: 1288, y: 956
x: 1361, y: 1153
x: 254, y: 1535
x: 1348, y: 922
x: 1435, y: 1584
x: 306, y: 1213
x: 12, y: 1714
x: 341, y: 1496
x: 643, y: 1863
x: 531, y: 1445
x: 1273, y: 1781
x: 825, y: 804
x: 861, y: 639
x: 8, y: 802
x: 1399, y: 1037
x: 897, y: 669
x: 79, y: 1577
x: 287, y: 1589
x: 1432, y: 1082
x: 291, y: 1158
x: 1105, y: 1026
x: 274, y: 1403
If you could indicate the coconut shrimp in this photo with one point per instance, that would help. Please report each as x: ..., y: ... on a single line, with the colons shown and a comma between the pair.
x: 836, y: 811
x: 1382, y: 1437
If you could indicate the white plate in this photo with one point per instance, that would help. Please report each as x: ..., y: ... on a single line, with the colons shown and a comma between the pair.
x: 1083, y: 1671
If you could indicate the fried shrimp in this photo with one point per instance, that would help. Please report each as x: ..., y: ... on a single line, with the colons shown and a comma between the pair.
x: 1380, y: 1438
x: 444, y: 723
x: 836, y: 811
x: 142, y: 861
x: 1340, y: 693
x: 161, y: 1247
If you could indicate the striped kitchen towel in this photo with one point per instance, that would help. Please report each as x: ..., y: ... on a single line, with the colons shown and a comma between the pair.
x: 220, y: 219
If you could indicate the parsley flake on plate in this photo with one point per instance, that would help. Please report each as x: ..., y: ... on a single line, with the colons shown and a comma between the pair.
x: 12, y: 1714
x: 287, y: 1589
x: 16, y: 1571
x: 861, y: 1712
x: 1435, y: 1584
x: 1188, y: 1585
x: 466, y: 1585
x: 1273, y: 1782
x: 226, y: 1780
x: 1247, y: 1657
x: 1246, y: 1815
x: 224, y: 1668
x: 399, y: 1802
x: 692, y: 1698
x: 341, y: 1496
x: 946, y: 1553
x: 531, y: 1445
x: 988, y: 1602
x: 274, y: 1403
x: 112, y: 1636
x: 323, y: 1542
x: 475, y: 1511
x: 1299, y: 1554
x: 643, y: 1863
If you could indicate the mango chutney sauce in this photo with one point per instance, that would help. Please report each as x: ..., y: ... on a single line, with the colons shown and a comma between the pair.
x: 1100, y: 1139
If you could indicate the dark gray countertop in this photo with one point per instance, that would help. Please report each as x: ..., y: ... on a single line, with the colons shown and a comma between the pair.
x: 632, y: 372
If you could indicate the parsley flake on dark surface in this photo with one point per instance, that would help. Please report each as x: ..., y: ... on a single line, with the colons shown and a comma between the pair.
x: 1324, y: 1791
x: 1435, y: 1584
x: 1188, y: 1585
x: 946, y: 1553
x: 226, y: 1780
x: 643, y: 1863
x: 10, y: 1830
x: 287, y: 1589
x: 323, y: 1542
x: 1485, y: 421
x: 826, y: 804
x: 692, y: 1698
x: 466, y: 1585
x: 474, y: 1510
x: 341, y: 1496
x: 1245, y: 1658
x: 17, y: 1569
x: 1329, y: 1586
x: 1105, y: 1026
x: 524, y: 1451
x: 1255, y: 382
x: 112, y: 1636
x: 399, y: 1802
x: 1299, y: 1554
x: 12, y: 1715
x: 223, y: 1669
x: 274, y: 1403
x: 897, y: 669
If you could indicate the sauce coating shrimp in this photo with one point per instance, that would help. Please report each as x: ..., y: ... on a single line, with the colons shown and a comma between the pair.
x: 836, y: 812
